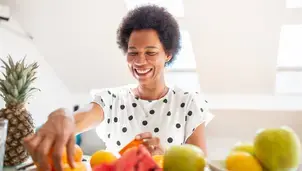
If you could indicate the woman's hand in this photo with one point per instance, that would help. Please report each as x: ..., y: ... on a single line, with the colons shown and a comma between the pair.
x: 56, y: 134
x: 151, y: 143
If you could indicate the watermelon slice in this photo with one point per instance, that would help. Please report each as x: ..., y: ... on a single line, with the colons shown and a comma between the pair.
x: 134, y: 159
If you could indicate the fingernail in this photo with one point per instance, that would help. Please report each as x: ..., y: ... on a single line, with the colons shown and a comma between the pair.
x: 138, y: 137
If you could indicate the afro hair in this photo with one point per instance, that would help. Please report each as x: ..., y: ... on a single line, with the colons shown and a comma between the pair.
x: 151, y: 17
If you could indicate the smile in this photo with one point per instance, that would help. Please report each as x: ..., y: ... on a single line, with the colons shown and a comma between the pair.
x: 141, y: 72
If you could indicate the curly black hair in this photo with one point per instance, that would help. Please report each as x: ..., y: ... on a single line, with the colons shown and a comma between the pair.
x: 151, y: 17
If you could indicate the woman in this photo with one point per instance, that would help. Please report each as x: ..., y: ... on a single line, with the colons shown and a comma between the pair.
x: 152, y: 111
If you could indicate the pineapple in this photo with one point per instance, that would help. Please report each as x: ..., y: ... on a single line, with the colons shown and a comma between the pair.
x: 16, y: 88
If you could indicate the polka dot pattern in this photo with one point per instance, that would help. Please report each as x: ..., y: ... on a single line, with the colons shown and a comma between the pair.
x: 182, y: 105
x: 152, y: 112
x: 174, y: 116
x: 170, y: 140
x: 145, y: 123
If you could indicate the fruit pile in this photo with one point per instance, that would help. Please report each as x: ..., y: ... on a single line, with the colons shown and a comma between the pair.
x: 136, y: 157
x: 273, y: 149
x: 78, y: 155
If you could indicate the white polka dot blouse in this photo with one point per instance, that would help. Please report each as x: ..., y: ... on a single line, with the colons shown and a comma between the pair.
x: 172, y: 118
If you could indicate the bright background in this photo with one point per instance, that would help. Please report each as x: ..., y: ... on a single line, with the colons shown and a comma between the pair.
x: 246, y: 57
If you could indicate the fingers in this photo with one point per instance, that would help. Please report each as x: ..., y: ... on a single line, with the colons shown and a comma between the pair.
x: 152, y: 144
x: 31, y: 143
x: 71, y: 151
x: 153, y: 141
x: 58, y: 152
x: 43, y: 152
x: 145, y: 135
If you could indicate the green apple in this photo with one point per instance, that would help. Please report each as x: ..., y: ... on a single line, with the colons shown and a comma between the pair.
x: 184, y: 157
x: 278, y: 149
x: 244, y: 147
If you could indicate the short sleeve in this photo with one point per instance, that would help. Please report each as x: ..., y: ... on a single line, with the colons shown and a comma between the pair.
x: 197, y: 113
x: 104, y: 99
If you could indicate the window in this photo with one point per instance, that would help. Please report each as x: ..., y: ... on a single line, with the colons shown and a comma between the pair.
x: 183, y: 72
x: 175, y: 7
x: 185, y: 60
x: 293, y: 3
x: 289, y: 64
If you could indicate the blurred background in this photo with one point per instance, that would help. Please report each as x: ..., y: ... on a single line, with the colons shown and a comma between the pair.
x: 246, y: 56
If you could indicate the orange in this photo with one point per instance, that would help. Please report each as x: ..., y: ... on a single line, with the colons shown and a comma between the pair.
x: 159, y: 159
x: 133, y: 143
x: 77, y: 155
x: 102, y: 157
x: 242, y: 161
x: 80, y: 166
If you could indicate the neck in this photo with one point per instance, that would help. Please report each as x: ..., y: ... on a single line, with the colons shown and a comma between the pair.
x: 152, y: 92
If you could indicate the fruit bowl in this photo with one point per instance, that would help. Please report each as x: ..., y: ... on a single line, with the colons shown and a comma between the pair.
x: 216, y: 165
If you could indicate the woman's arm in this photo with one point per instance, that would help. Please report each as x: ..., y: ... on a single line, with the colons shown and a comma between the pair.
x: 88, y: 117
x: 198, y: 138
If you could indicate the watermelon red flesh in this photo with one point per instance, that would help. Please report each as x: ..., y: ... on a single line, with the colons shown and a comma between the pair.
x: 104, y: 167
x: 135, y: 159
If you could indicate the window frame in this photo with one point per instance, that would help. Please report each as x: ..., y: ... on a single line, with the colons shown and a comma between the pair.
x: 289, y: 20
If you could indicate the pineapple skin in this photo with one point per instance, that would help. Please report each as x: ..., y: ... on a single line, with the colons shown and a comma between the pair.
x: 20, y: 125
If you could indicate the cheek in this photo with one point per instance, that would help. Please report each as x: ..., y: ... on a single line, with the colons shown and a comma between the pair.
x: 130, y: 60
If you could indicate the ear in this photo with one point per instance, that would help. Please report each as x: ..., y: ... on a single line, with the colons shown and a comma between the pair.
x: 169, y: 57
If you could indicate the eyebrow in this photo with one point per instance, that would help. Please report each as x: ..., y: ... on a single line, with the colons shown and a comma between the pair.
x: 148, y: 47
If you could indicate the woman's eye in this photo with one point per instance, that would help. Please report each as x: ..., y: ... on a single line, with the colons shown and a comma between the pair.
x: 132, y: 53
x: 151, y: 53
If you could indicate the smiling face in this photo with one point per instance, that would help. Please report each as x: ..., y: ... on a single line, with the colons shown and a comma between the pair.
x: 146, y: 56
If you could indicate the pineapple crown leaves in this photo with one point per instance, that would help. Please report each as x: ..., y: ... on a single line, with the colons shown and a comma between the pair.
x: 15, y: 87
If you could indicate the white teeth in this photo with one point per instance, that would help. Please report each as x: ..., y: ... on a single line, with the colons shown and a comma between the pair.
x: 142, y: 71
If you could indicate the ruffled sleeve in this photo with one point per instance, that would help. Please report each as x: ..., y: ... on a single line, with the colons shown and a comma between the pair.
x: 104, y: 98
x: 197, y: 113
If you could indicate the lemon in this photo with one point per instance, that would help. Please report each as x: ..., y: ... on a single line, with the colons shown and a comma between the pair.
x: 242, y: 161
x: 102, y: 157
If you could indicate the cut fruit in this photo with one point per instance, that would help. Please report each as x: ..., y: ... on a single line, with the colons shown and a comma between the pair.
x: 136, y: 158
x: 133, y: 143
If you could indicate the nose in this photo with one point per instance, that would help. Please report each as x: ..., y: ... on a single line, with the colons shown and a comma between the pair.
x: 140, y: 59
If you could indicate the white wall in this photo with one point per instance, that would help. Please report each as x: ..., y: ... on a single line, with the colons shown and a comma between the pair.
x: 53, y: 93
x: 236, y: 44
